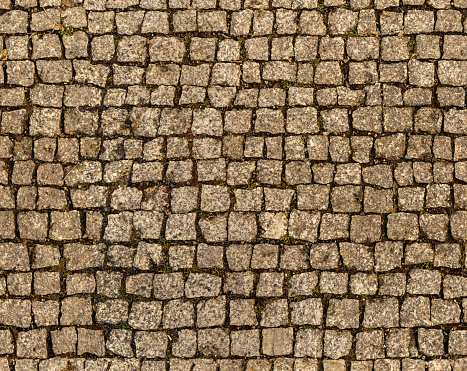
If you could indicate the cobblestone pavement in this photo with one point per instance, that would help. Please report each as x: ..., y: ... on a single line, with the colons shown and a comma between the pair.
x: 233, y: 185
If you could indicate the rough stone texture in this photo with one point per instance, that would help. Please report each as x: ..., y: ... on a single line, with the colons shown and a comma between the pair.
x: 233, y: 185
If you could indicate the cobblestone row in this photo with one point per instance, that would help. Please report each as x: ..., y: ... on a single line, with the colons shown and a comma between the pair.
x: 257, y: 185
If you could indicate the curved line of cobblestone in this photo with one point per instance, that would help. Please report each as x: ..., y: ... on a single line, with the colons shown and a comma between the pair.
x: 233, y: 185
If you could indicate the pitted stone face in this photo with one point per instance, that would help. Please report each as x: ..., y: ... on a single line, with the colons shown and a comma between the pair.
x: 233, y: 185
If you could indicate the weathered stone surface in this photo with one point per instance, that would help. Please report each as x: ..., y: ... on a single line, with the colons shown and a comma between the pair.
x: 202, y: 185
